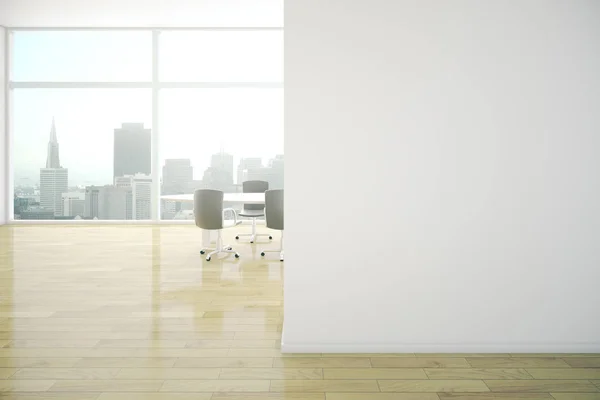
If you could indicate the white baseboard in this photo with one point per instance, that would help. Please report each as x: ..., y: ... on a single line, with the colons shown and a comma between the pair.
x: 438, y: 348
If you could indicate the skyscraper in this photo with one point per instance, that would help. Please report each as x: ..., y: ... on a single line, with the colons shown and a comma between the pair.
x: 272, y: 174
x: 141, y: 200
x: 108, y: 202
x: 219, y: 179
x: 132, y: 150
x: 223, y: 162
x: 73, y: 204
x: 142, y: 197
x: 247, y: 163
x: 177, y: 176
x: 277, y: 168
x: 92, y: 201
x: 54, y: 180
x: 116, y: 203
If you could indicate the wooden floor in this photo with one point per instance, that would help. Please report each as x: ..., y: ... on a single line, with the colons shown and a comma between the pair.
x: 134, y: 313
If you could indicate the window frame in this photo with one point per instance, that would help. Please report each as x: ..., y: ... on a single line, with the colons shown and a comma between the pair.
x: 155, y: 84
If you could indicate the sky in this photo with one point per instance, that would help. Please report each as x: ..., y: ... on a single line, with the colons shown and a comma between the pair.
x: 194, y: 123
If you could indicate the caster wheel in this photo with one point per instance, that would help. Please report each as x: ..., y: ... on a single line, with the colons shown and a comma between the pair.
x: 281, y: 259
x: 230, y: 248
x: 262, y: 253
x: 207, y: 258
x: 237, y: 237
x: 270, y: 237
x: 202, y: 252
x: 252, y: 242
x: 237, y: 255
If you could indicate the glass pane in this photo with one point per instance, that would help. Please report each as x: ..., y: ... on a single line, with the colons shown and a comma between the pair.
x: 221, y: 56
x: 82, y: 153
x: 78, y: 56
x: 217, y: 138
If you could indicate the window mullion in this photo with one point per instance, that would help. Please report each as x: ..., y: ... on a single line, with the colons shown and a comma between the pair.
x: 155, y: 135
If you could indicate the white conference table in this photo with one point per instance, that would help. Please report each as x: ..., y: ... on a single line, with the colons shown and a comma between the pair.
x: 228, y: 198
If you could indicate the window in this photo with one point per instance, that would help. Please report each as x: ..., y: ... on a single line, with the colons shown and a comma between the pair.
x: 222, y: 56
x: 82, y: 56
x: 84, y: 102
x: 218, y: 138
x: 71, y: 143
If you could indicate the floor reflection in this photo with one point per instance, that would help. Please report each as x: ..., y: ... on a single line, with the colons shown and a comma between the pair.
x: 132, y: 283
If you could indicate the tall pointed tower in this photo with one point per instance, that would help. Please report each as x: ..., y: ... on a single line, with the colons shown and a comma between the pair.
x: 54, y: 180
x: 52, y: 159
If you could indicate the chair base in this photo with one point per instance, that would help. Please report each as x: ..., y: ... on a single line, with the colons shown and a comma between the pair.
x: 280, y: 250
x: 220, y: 248
x: 263, y: 253
x: 253, y: 235
x: 224, y: 249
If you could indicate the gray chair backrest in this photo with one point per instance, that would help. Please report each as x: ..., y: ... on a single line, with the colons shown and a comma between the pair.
x: 208, y: 208
x: 274, y: 208
x: 255, y: 187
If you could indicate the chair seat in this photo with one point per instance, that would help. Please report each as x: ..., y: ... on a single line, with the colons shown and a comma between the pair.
x: 252, y: 213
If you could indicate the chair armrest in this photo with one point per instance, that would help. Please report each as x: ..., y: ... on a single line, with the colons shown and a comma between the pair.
x: 234, y: 214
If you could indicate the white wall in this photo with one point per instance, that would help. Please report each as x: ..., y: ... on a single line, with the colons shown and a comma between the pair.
x: 140, y: 13
x: 463, y: 138
x: 3, y: 161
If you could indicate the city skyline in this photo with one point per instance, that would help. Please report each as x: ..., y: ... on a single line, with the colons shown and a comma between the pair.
x: 128, y: 194
x: 245, y: 120
x: 53, y: 156
x: 85, y: 135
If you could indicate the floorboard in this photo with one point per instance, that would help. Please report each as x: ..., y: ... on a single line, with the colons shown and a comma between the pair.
x: 135, y: 313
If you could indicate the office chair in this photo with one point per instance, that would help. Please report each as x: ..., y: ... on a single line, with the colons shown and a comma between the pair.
x: 274, y: 216
x: 253, y: 211
x: 210, y: 214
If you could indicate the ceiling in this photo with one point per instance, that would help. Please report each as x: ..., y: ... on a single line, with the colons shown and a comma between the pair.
x: 140, y: 13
